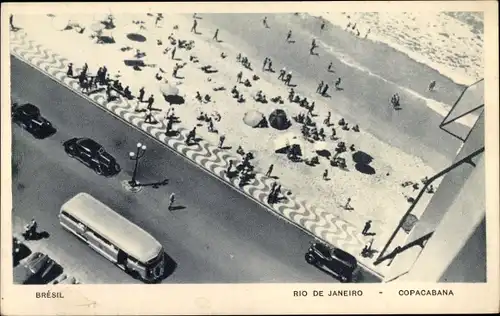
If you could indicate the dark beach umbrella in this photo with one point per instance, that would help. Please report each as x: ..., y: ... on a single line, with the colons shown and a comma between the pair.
x: 279, y: 120
x: 171, y: 94
x: 136, y: 37
x: 134, y: 62
x: 174, y: 99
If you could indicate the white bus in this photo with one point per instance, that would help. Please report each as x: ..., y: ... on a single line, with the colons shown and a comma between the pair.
x: 113, y: 236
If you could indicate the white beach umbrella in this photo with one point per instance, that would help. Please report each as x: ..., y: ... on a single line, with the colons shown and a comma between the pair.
x: 60, y: 23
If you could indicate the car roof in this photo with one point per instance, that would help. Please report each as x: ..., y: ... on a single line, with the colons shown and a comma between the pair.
x: 89, y: 144
x: 344, y: 256
x: 29, y: 109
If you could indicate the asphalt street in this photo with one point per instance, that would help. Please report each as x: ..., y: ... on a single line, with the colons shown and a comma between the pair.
x: 219, y: 236
x: 365, y: 97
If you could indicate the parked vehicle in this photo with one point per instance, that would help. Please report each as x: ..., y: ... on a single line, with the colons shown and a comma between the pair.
x: 342, y: 264
x: 39, y: 268
x: 19, y: 251
x: 28, y: 117
x: 93, y: 155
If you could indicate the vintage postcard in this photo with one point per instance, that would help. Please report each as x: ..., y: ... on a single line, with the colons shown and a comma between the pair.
x: 249, y: 158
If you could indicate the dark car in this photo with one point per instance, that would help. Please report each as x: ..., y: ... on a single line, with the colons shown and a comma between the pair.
x: 93, y: 155
x: 39, y: 268
x: 342, y: 264
x: 28, y: 117
x: 19, y: 251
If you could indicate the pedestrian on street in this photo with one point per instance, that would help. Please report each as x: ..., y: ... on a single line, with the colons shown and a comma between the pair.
x: 173, y: 52
x: 171, y: 201
x: 325, y: 175
x: 289, y: 36
x: 265, y: 64
x: 348, y: 204
x: 170, y: 122
x: 269, y: 170
x: 325, y: 89
x: 239, y: 77
x: 222, y: 138
x: 11, y: 22
x: 193, y: 28
x: 367, y: 227
x: 108, y: 93
x: 320, y: 86
x: 264, y: 22
x: 273, y: 186
x: 282, y: 74
x: 270, y: 198
x: 151, y: 100
x: 141, y: 94
x: 216, y: 38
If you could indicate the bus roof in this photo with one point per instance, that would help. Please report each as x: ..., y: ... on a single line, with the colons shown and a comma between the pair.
x: 114, y: 227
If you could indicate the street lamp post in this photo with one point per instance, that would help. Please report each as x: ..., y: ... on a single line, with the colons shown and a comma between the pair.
x: 141, y: 150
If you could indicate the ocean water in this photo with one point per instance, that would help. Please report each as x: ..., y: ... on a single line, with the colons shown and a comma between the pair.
x: 449, y: 42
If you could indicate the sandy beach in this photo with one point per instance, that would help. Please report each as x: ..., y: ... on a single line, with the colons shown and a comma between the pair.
x: 405, y: 145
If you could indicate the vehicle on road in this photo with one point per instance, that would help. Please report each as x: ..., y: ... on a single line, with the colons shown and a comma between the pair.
x: 93, y: 155
x: 39, y: 268
x: 28, y: 116
x: 19, y: 251
x: 125, y: 244
x: 343, y: 265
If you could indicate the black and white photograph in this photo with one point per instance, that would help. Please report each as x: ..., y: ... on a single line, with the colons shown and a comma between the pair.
x: 337, y: 147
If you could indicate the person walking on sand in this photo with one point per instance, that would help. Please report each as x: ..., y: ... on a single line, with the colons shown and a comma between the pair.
x: 239, y: 77
x: 347, y: 205
x: 216, y: 35
x: 173, y: 52
x: 282, y: 74
x: 158, y: 19
x: 151, y: 100
x: 337, y: 83
x: 269, y: 170
x: 313, y: 46
x: 325, y: 175
x: 289, y: 36
x: 193, y: 28
x: 325, y: 90
x: 222, y: 138
x: 367, y: 227
x: 288, y: 78
x: 141, y: 94
x: 171, y: 201
x: 264, y: 22
x: 327, y: 119
x: 265, y: 63
x: 330, y: 66
x: 322, y: 27
x: 320, y: 86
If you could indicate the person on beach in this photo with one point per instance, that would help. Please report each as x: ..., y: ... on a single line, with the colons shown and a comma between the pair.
x: 193, y: 28
x: 320, y: 86
x: 367, y: 227
x: 326, y: 121
x: 69, y: 73
x: 325, y: 175
x: 239, y: 77
x: 264, y: 22
x: 325, y: 90
x: 347, y: 205
x: 289, y: 36
x: 159, y: 17
x: 172, y: 56
x: 216, y: 35
x: 222, y: 138
x: 11, y: 22
x: 141, y: 94
x: 330, y: 66
x: 270, y: 65
x: 151, y: 100
x: 269, y: 170
x: 322, y: 27
x: 265, y: 63
x: 282, y: 74
x: 367, y: 33
x: 337, y: 83
x: 171, y: 201
x: 313, y: 46
x: 288, y: 78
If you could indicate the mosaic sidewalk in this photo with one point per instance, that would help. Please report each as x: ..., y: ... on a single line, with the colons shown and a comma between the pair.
x: 317, y: 222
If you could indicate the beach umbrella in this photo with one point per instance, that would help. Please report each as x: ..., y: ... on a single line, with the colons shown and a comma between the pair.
x: 60, y: 23
x: 279, y: 120
x: 253, y: 118
x: 97, y: 27
x: 320, y: 146
x: 168, y: 89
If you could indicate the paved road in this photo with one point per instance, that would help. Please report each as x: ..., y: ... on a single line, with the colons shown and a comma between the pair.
x: 365, y: 98
x: 220, y: 236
